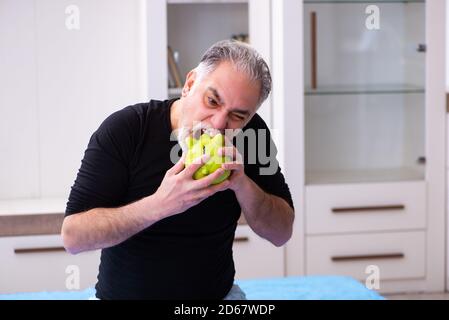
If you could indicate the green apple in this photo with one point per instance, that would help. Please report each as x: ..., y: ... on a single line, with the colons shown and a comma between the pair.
x: 207, y: 145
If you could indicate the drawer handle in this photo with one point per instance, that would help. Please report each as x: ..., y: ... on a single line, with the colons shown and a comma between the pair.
x: 38, y: 250
x: 241, y: 239
x: 369, y: 208
x: 369, y: 257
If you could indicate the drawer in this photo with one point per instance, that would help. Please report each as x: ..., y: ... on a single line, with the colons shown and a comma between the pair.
x: 398, y: 255
x: 40, y: 263
x: 365, y: 207
x: 255, y: 257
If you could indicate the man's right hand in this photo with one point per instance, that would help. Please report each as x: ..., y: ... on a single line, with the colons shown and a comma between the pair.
x: 179, y: 191
x: 100, y: 228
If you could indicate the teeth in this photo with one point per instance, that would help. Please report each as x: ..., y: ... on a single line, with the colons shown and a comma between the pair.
x: 211, y: 131
x: 198, y: 130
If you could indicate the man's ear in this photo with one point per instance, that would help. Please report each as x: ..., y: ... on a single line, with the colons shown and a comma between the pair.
x: 190, y: 81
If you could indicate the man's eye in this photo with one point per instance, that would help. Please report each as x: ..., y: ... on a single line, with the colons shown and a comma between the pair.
x: 212, y: 102
x: 238, y: 117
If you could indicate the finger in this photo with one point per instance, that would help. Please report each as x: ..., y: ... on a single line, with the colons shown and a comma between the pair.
x: 211, y: 190
x: 228, y: 140
x: 195, y: 165
x: 239, y: 159
x: 230, y: 152
x: 232, y: 166
x: 179, y: 166
x: 207, y: 181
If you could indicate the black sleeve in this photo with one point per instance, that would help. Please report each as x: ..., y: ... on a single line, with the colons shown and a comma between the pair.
x: 102, y: 179
x: 261, y: 165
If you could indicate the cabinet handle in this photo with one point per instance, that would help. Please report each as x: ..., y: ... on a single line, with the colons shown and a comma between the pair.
x: 421, y: 160
x: 368, y: 257
x: 369, y: 208
x: 313, y: 36
x: 421, y: 47
x: 38, y: 250
x: 241, y: 239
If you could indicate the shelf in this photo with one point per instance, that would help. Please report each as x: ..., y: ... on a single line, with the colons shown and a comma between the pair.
x: 32, y: 206
x: 374, y: 89
x: 365, y: 176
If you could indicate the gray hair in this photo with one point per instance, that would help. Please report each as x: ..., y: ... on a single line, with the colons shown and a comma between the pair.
x: 244, y: 57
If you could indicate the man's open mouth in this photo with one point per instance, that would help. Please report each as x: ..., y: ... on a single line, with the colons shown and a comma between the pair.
x: 198, y: 130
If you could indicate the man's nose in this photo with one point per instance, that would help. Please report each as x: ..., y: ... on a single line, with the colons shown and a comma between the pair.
x: 220, y: 121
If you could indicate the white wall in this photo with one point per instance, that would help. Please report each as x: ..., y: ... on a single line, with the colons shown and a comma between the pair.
x: 57, y: 85
x: 19, y: 152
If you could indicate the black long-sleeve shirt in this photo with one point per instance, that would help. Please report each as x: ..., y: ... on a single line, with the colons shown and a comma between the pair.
x: 186, y: 256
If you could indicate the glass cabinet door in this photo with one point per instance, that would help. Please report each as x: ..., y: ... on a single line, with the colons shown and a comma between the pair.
x: 193, y: 26
x: 364, y: 91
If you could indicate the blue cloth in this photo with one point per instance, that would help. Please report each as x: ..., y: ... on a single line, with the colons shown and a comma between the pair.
x: 307, y: 288
x: 54, y: 295
x: 288, y: 288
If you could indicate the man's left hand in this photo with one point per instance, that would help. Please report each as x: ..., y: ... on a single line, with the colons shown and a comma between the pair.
x: 238, y: 175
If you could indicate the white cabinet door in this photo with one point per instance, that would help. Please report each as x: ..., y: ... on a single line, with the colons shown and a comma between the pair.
x: 19, y: 170
x: 40, y: 263
x: 255, y: 257
x: 83, y: 76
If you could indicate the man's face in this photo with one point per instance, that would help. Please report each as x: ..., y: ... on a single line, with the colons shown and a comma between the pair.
x: 224, y: 99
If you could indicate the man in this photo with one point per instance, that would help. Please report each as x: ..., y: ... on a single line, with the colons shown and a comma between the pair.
x: 163, y: 234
